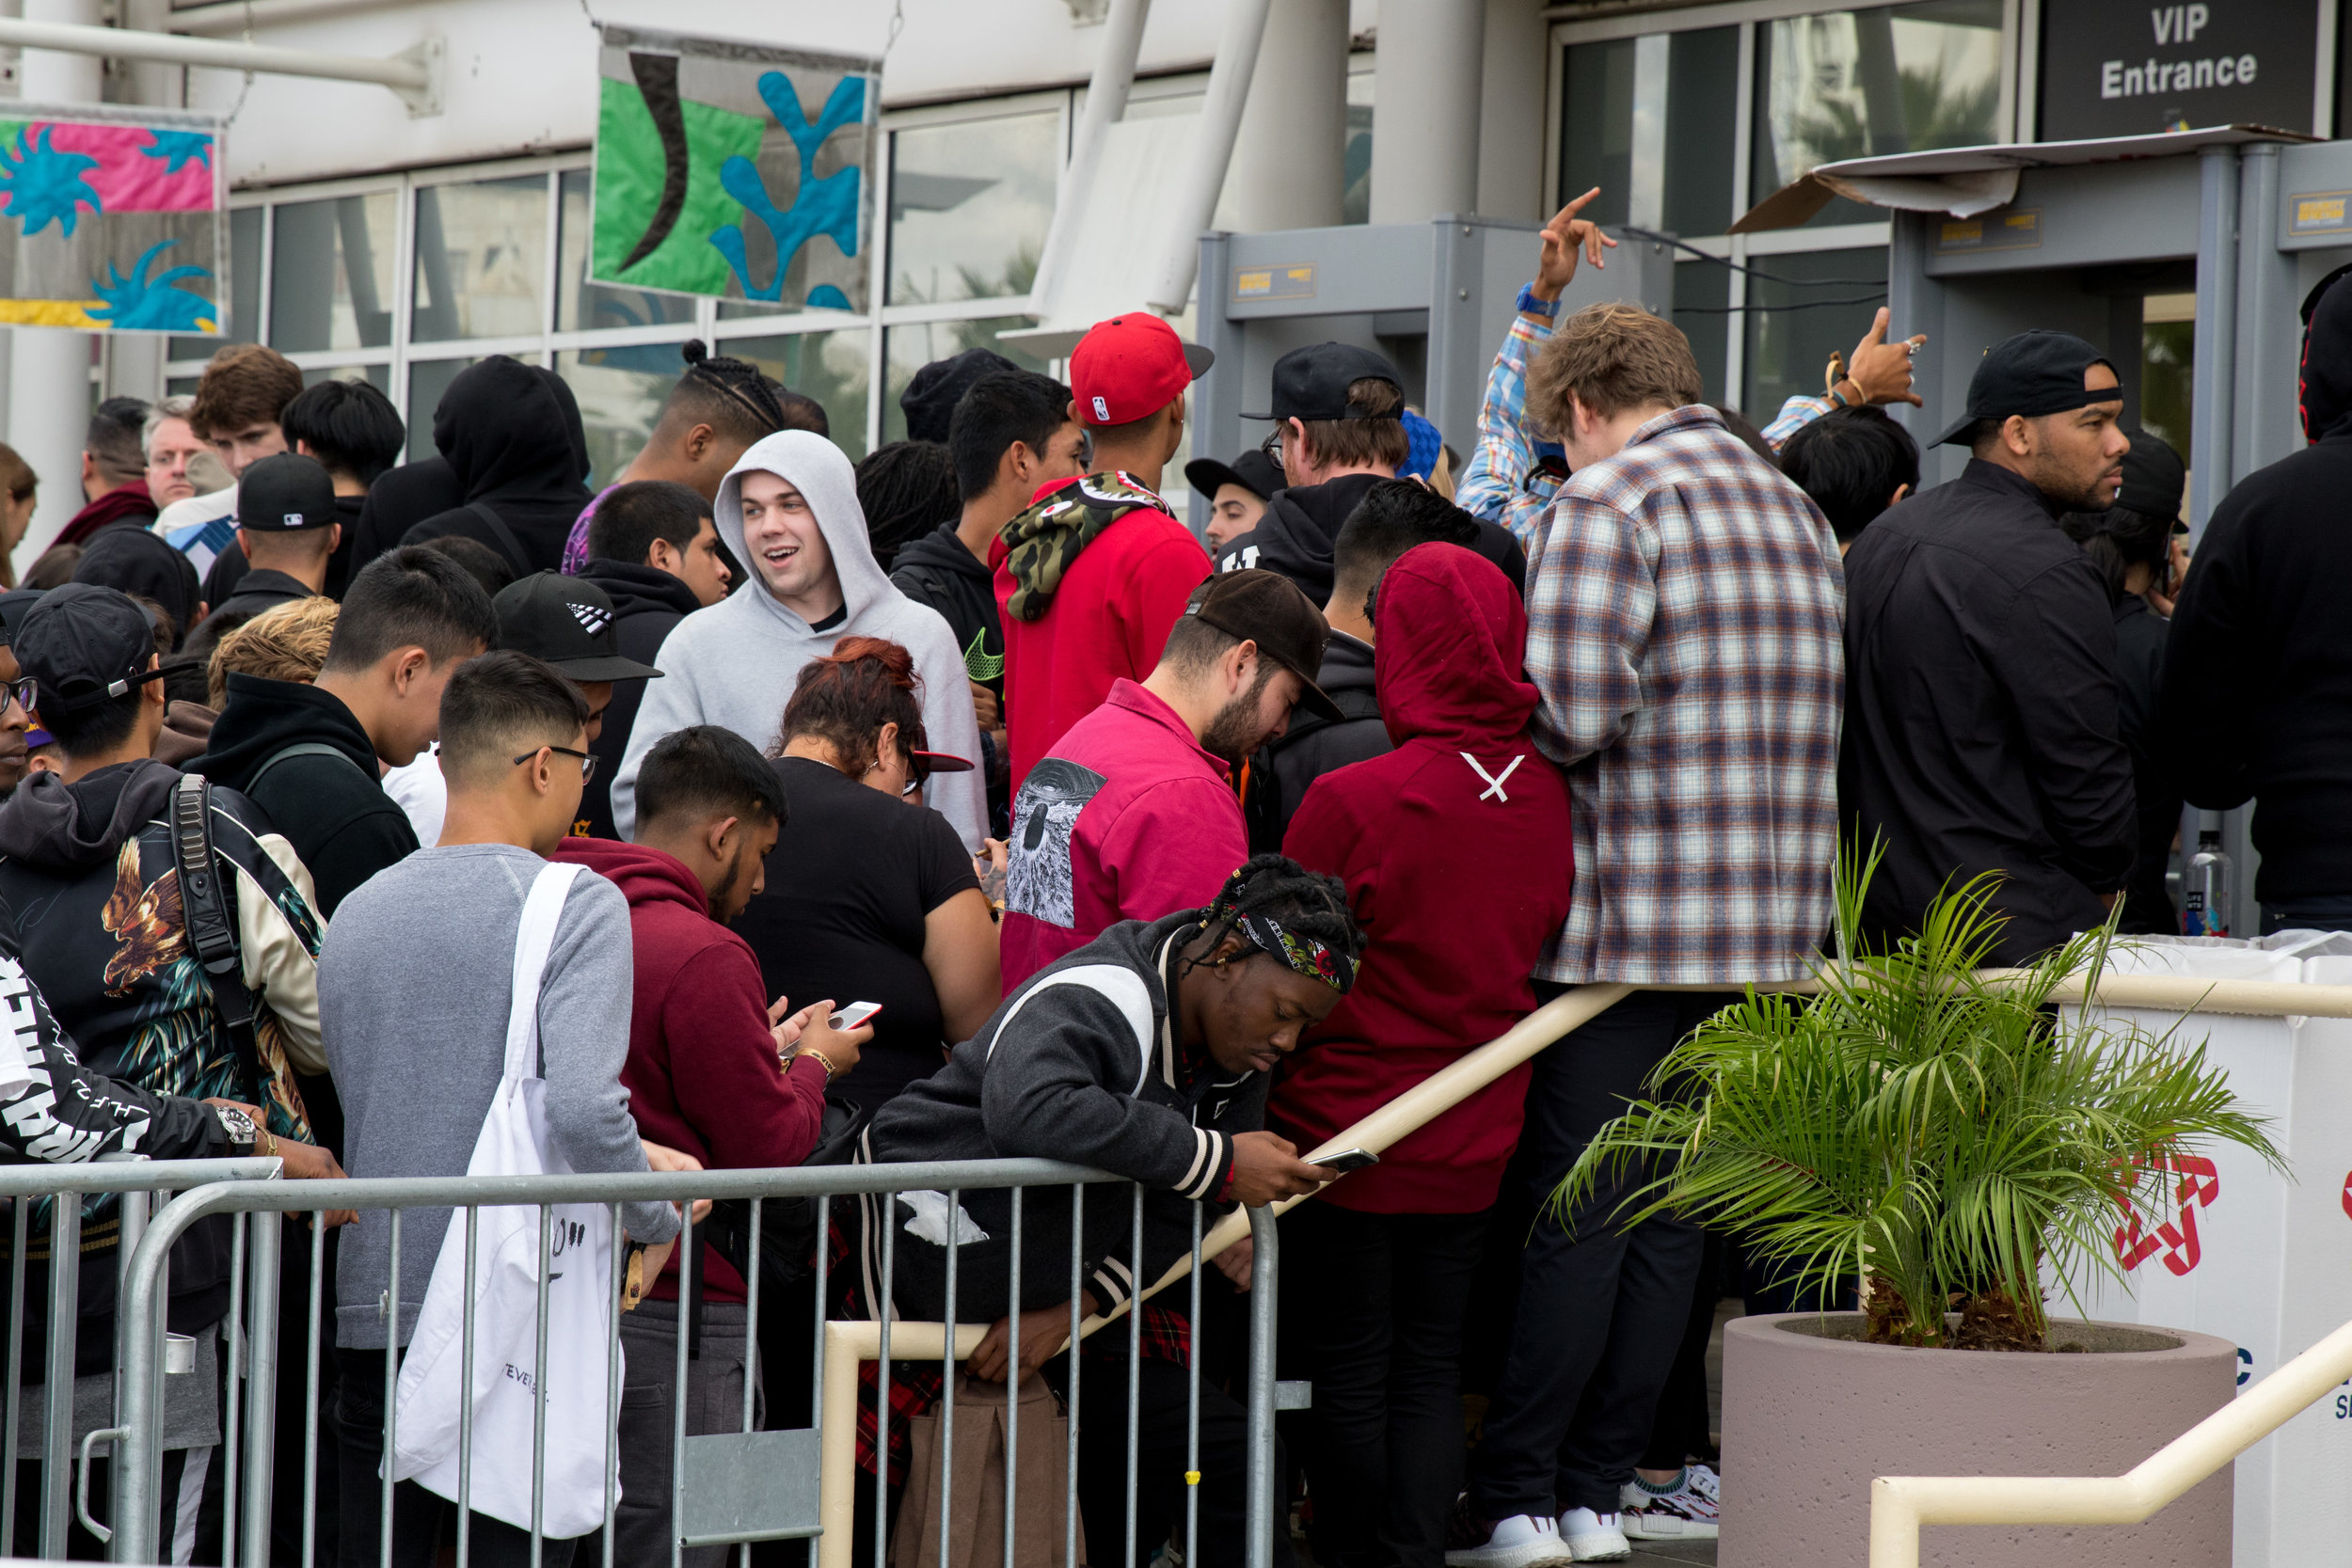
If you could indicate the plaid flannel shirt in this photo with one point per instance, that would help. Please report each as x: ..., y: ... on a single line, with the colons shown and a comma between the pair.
x: 1686, y: 620
x: 1500, y: 483
x: 1795, y: 413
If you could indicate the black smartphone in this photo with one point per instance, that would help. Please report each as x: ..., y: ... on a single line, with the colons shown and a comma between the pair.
x: 1341, y: 1161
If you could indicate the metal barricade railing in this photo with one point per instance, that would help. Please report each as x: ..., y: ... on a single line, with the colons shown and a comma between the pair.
x: 786, y: 1478
x: 24, y: 1187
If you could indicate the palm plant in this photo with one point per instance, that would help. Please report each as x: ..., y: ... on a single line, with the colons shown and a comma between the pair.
x: 1920, y: 1132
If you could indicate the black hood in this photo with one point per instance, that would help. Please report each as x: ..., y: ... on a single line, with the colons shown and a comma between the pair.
x: 67, y: 828
x: 402, y: 497
x: 1346, y: 665
x: 1296, y: 531
x: 511, y: 431
x: 635, y: 590
x: 941, y: 549
x: 2327, y: 369
x: 262, y: 718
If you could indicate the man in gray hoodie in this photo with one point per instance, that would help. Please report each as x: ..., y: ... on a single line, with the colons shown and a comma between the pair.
x: 790, y: 512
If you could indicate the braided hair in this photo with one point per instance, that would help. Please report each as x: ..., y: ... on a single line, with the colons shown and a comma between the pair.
x: 732, y: 396
x: 1306, y: 903
x: 906, y: 489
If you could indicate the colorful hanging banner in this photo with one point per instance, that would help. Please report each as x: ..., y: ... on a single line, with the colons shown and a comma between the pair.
x: 734, y: 170
x: 112, y: 220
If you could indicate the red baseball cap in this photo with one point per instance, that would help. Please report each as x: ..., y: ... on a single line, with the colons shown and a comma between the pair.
x: 1131, y: 367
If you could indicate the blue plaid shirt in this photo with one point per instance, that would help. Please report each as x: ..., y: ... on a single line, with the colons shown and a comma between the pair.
x: 1686, y: 617
x: 1502, y: 483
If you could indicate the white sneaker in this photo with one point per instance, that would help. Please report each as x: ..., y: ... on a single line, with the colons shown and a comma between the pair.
x: 1522, y: 1540
x: 1594, y: 1537
x: 1686, y: 1514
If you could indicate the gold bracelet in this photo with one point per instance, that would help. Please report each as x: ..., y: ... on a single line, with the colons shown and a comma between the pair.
x: 822, y: 1059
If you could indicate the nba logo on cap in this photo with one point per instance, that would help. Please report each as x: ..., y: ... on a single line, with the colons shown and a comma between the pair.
x: 1101, y: 409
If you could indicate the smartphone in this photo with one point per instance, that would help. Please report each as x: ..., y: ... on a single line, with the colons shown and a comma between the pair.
x: 1342, y: 1161
x: 854, y: 1014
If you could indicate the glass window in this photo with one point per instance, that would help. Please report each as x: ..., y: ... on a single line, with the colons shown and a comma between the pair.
x: 969, y: 206
x: 1708, y: 286
x: 244, y: 325
x: 381, y: 376
x: 1862, y: 84
x: 1702, y: 114
x: 1597, y: 126
x: 482, y: 251
x: 620, y: 392
x: 584, y: 306
x: 1356, y: 201
x: 908, y: 349
x: 2168, y: 349
x: 427, y: 380
x: 331, y: 273
x: 1787, y: 349
x: 828, y: 367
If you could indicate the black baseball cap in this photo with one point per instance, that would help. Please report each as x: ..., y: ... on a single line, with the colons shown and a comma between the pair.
x: 2154, y: 479
x: 285, y: 493
x: 1253, y: 470
x: 1268, y: 608
x: 13, y: 605
x: 85, y: 645
x: 1312, y: 382
x: 568, y: 624
x: 2032, y: 373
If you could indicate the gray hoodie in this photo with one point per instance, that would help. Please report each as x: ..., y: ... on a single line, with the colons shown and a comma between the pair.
x: 735, y: 662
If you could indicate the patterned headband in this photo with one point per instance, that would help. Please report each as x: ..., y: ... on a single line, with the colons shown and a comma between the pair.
x: 1298, y: 952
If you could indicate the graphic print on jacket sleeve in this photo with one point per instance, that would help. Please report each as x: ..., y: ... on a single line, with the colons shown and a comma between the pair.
x: 145, y: 922
x: 1040, y: 881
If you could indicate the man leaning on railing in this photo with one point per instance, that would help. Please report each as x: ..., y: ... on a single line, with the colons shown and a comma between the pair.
x: 1145, y: 1053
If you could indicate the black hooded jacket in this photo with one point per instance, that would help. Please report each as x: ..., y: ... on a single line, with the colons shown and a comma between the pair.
x: 1313, y: 746
x: 512, y: 435
x: 2257, y: 701
x: 1299, y: 526
x: 332, y: 809
x: 935, y: 569
x: 398, y: 500
x: 646, y: 603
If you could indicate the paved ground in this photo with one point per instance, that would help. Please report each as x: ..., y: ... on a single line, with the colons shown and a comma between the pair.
x: 1675, y: 1551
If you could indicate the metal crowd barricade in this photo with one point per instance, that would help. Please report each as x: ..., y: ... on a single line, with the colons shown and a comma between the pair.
x: 794, y: 1479
x: 24, y: 1187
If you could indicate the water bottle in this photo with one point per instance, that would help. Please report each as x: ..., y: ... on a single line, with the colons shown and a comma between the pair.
x: 2205, y: 888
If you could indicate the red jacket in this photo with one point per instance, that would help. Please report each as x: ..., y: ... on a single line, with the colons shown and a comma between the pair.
x: 1131, y: 819
x: 1108, y: 621
x: 1455, y: 848
x: 702, y: 1073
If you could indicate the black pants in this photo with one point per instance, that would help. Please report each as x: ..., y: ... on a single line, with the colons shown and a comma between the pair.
x: 1161, y: 1462
x: 294, y: 1407
x: 1601, y: 1308
x: 1684, y: 1426
x: 1378, y: 1302
x: 420, y: 1518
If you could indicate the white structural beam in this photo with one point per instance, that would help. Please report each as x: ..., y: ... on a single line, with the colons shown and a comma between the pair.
x: 414, y: 73
x: 1290, y: 163
x: 1211, y: 151
x: 1106, y: 105
x: 1425, y: 71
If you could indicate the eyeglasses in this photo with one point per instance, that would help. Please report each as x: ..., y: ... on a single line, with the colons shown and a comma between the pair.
x: 25, y: 693
x: 587, y: 762
x: 1272, y: 446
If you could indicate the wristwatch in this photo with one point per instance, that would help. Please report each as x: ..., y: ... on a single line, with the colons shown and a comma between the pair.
x: 239, y: 1129
x: 1532, y: 304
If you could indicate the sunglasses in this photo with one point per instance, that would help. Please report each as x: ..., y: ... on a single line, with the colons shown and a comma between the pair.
x: 587, y: 762
x: 24, y: 693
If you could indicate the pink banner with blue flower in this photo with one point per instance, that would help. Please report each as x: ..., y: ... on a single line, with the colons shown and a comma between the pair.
x: 112, y: 220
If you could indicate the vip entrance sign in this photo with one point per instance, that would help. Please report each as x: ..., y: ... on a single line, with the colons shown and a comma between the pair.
x: 2122, y: 68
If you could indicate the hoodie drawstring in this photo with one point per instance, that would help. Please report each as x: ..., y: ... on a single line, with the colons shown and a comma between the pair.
x: 1494, y: 781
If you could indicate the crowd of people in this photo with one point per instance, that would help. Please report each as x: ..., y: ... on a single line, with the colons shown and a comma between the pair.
x: 1170, y: 853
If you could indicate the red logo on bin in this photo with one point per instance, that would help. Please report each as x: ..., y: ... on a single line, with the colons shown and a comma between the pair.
x: 2199, y: 1185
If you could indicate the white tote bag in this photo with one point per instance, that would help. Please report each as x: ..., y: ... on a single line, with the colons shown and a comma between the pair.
x: 505, y: 1290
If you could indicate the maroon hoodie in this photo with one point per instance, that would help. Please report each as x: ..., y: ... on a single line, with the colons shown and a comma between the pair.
x: 702, y: 1073
x: 1455, y: 848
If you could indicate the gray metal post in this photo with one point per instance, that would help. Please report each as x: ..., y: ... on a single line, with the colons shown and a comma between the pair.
x: 56, y: 1472
x: 1264, y: 1277
x: 1455, y: 373
x: 264, y: 1244
x: 2212, y: 404
x: 1914, y: 303
x: 2269, y: 330
x: 1216, y: 397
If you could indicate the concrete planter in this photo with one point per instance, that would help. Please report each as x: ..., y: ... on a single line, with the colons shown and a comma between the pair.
x: 1811, y: 1414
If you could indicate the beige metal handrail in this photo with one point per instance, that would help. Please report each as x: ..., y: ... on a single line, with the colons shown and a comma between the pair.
x: 1900, y: 1504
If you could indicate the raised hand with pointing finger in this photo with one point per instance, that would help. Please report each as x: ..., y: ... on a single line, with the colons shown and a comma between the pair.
x: 1880, y: 372
x: 1565, y: 237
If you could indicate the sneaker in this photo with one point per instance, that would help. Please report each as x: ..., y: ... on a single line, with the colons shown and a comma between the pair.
x: 1594, y: 1537
x: 1522, y: 1540
x: 1687, y: 1512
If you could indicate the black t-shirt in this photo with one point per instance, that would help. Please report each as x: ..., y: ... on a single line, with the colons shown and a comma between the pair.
x: 853, y: 876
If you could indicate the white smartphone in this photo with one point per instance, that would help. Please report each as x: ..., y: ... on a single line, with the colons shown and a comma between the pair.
x: 1345, y: 1160
x: 854, y: 1014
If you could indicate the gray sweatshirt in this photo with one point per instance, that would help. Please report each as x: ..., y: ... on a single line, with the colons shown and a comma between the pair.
x: 414, y: 982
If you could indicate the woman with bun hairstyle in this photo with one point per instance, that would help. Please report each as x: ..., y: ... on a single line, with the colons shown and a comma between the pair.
x: 870, y: 896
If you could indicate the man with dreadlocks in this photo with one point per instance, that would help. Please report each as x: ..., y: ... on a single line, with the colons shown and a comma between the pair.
x: 719, y: 407
x: 1146, y: 1053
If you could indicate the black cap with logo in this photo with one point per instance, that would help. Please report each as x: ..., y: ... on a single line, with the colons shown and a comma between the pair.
x: 1312, y: 382
x: 1268, y: 608
x: 84, y: 646
x: 566, y: 622
x: 1253, y: 470
x: 284, y: 493
x: 2032, y: 373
